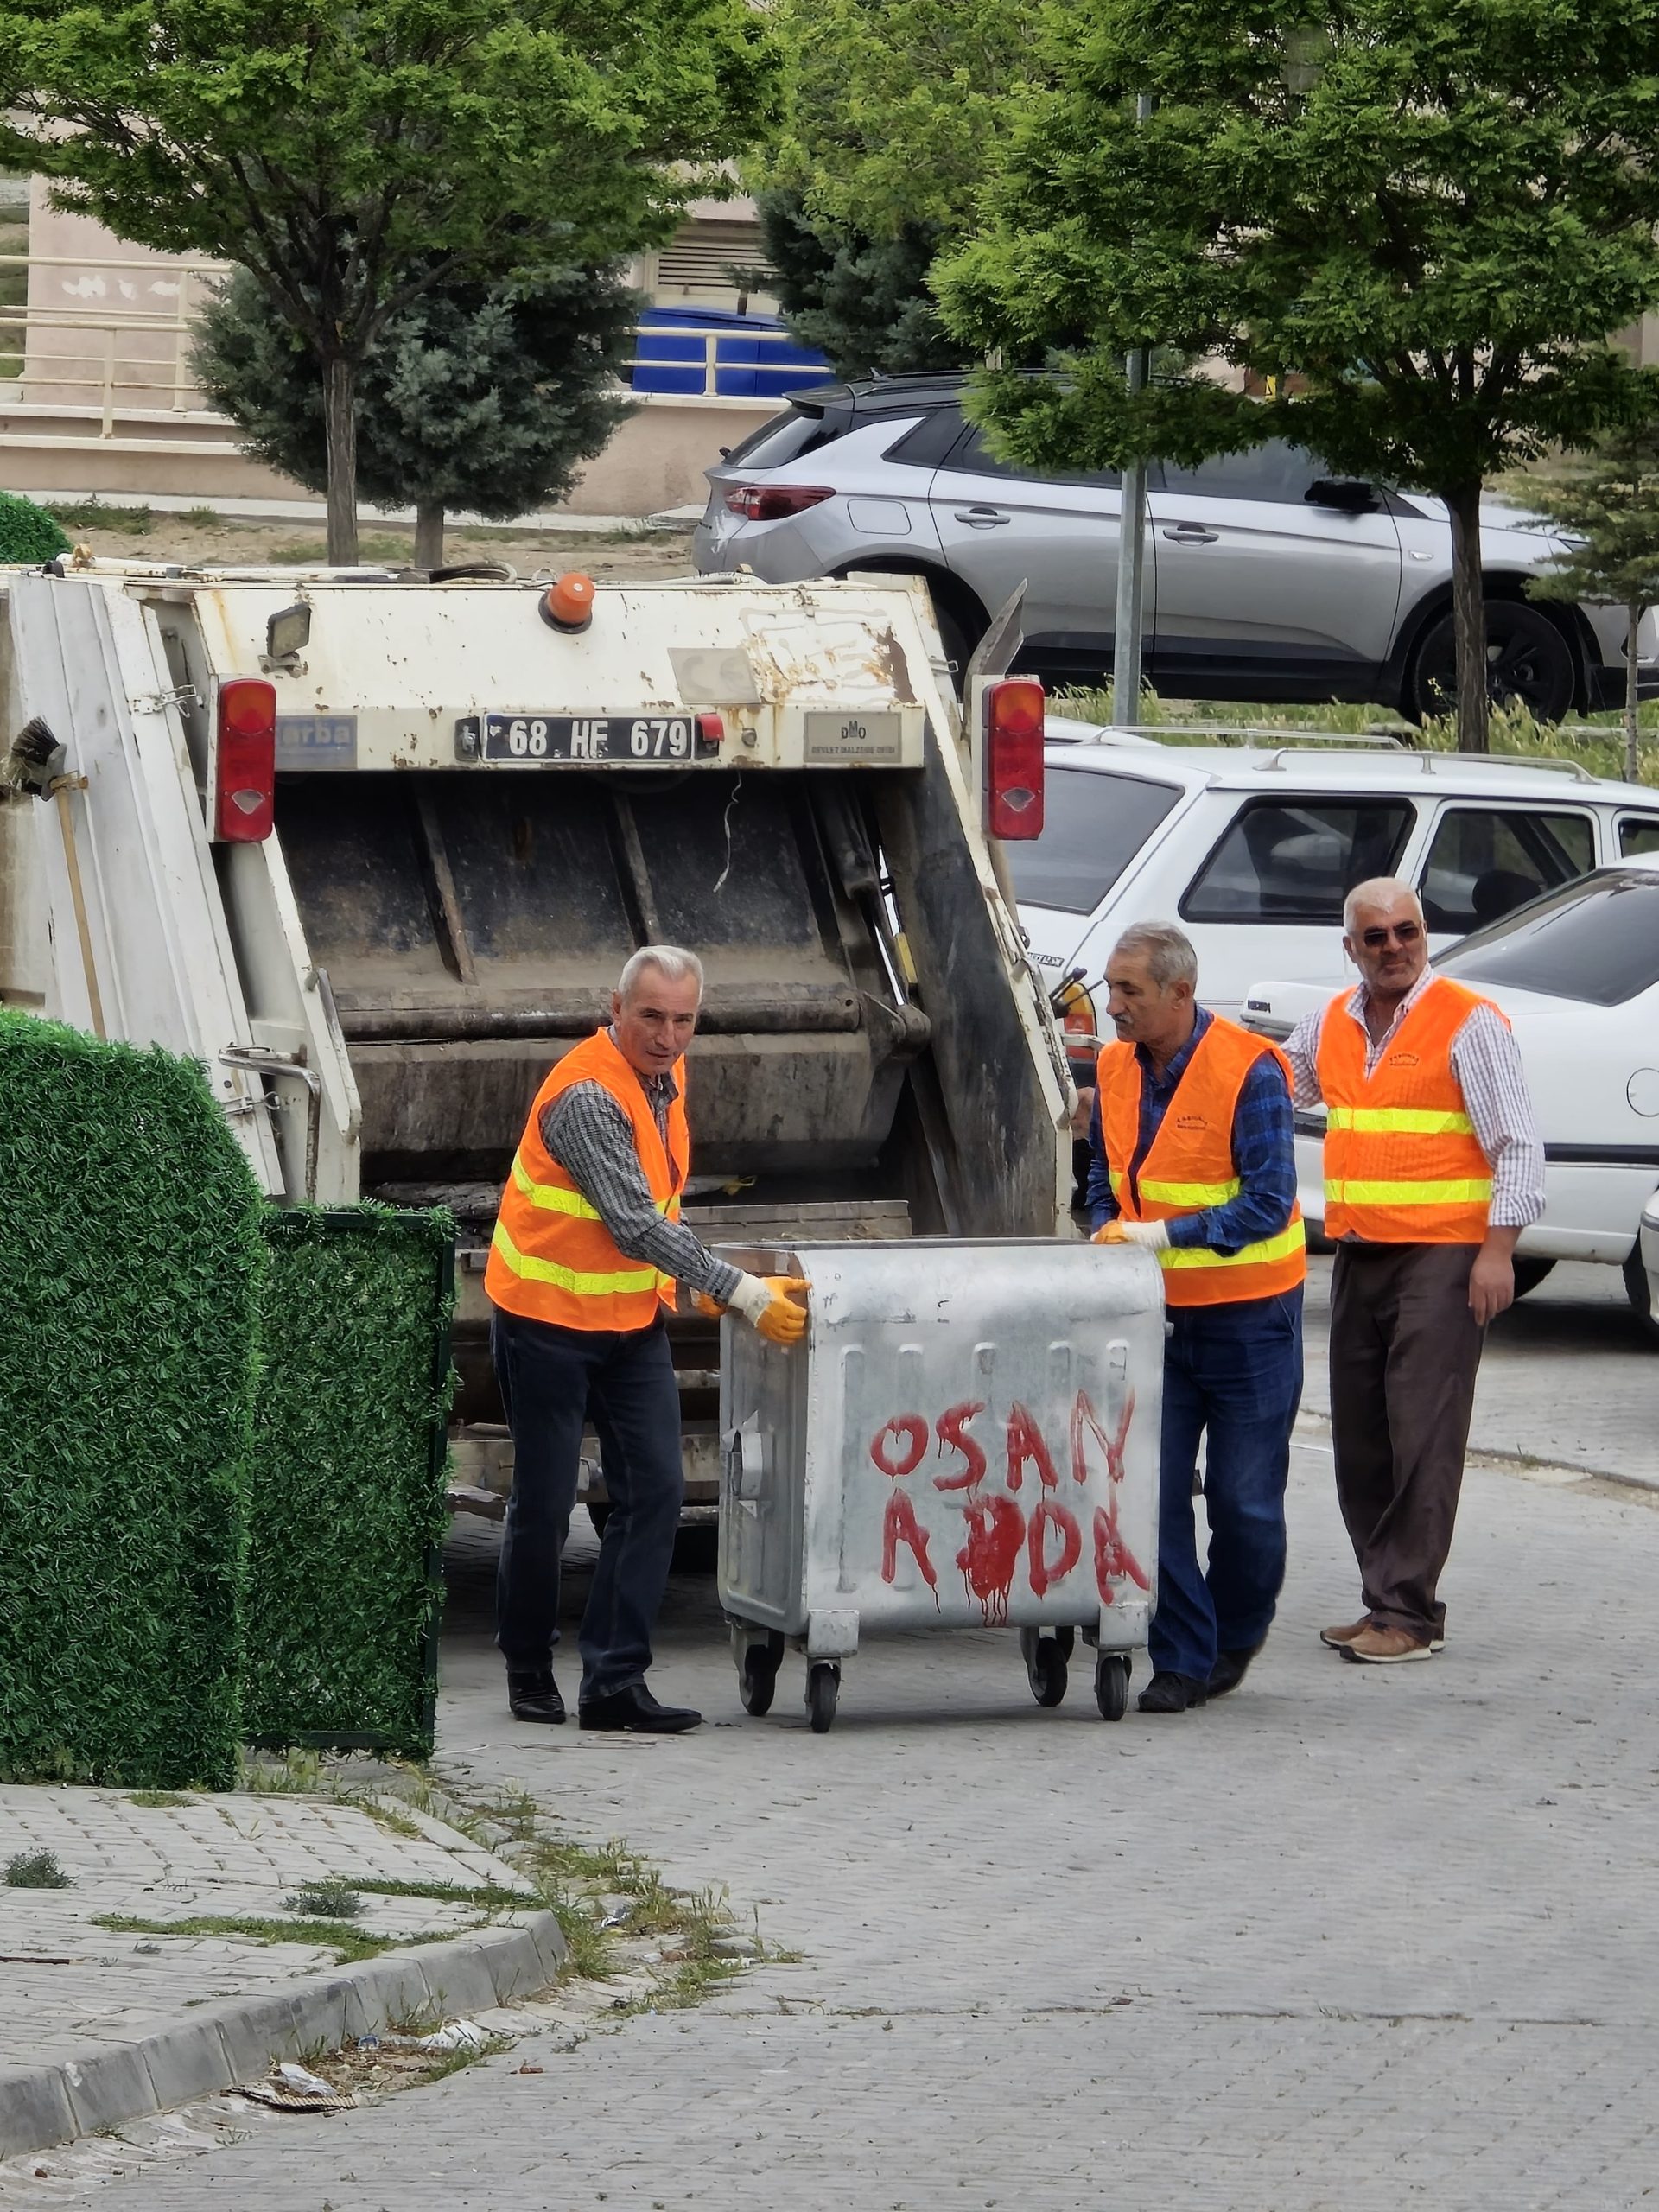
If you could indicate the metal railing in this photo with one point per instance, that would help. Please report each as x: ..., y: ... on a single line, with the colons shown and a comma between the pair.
x: 115, y: 357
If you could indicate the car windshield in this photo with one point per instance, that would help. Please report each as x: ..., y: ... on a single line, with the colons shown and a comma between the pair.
x: 1596, y: 941
x: 1094, y: 825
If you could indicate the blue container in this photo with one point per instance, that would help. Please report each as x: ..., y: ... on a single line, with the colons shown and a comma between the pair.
x: 754, y: 356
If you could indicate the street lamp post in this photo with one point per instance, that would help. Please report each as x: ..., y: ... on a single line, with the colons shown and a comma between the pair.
x: 1131, y: 544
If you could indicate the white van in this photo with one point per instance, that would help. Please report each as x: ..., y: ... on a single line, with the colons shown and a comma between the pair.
x: 1251, y: 851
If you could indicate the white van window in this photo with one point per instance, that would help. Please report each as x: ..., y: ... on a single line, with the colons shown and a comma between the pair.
x: 1485, y: 862
x: 1638, y: 835
x: 1094, y: 825
x: 1294, y: 860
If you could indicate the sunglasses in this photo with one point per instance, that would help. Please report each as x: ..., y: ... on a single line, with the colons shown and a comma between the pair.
x: 1401, y: 933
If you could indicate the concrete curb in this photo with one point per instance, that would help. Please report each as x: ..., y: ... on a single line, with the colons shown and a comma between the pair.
x: 220, y: 2045
x: 1525, y: 1464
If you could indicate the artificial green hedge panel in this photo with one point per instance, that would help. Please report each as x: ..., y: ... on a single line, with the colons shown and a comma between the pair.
x: 347, y: 1507
x: 28, y: 532
x: 130, y: 1252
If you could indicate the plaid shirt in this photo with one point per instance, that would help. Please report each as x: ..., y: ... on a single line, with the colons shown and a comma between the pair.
x: 592, y: 1139
x: 1264, y: 1154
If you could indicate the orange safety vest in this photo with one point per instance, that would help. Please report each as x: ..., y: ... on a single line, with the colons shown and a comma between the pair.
x: 551, y: 1258
x: 1402, y: 1163
x: 1190, y: 1167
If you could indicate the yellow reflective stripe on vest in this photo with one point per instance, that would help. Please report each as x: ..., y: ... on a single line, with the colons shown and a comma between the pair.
x: 1190, y: 1194
x: 1293, y: 1239
x: 579, y: 1283
x: 1406, y: 1121
x: 553, y: 1199
x: 1475, y: 1190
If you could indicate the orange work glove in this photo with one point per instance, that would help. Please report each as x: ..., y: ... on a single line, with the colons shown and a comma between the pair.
x: 1110, y: 1232
x: 710, y: 1308
x: 783, y: 1321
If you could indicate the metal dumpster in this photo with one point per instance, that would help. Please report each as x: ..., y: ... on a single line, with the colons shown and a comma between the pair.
x: 968, y: 1438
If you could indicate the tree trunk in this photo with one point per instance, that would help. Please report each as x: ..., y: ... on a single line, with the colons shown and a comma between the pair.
x: 428, y: 534
x: 1632, y: 745
x: 340, y: 425
x: 1469, y: 617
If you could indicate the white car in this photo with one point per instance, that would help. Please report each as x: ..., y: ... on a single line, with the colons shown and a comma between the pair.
x: 1644, y: 1287
x: 1251, y: 849
x: 1577, y: 972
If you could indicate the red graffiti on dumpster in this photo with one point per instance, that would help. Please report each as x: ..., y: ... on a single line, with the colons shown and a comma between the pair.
x: 996, y: 1528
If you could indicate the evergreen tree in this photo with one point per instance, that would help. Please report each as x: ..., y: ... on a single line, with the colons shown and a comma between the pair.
x: 1607, y: 506
x: 482, y: 397
x: 861, y: 301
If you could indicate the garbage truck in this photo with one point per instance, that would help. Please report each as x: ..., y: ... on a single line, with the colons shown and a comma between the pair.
x: 374, y: 845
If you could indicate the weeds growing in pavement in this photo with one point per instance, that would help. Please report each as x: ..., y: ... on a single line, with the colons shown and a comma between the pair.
x: 36, y: 1869
x: 348, y: 1943
x: 158, y: 1800
x: 331, y: 1899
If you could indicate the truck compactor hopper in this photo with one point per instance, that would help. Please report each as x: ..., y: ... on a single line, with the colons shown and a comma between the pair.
x: 373, y: 848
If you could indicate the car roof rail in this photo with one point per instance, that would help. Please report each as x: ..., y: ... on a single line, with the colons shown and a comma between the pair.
x: 1254, y: 737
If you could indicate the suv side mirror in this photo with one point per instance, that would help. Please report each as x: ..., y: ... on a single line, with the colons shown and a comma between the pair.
x: 1348, y: 497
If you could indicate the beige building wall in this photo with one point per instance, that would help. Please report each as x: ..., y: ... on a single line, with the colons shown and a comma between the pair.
x: 105, y: 403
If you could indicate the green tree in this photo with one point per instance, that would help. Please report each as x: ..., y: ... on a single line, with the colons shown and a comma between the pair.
x: 893, y: 113
x: 861, y: 301
x: 1607, y: 508
x: 482, y: 397
x: 1428, y: 213
x: 352, y: 155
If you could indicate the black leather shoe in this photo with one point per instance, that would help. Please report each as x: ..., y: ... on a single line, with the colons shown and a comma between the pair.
x: 636, y: 1711
x: 535, y: 1697
x: 1171, y: 1693
x: 1230, y: 1671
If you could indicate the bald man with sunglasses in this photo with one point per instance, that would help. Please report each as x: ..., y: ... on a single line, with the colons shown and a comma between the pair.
x: 1432, y: 1168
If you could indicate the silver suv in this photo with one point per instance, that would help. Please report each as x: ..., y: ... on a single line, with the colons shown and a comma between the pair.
x: 1268, y: 578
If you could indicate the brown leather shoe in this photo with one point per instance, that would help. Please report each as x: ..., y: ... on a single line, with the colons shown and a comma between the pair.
x: 1339, y: 1639
x: 1389, y: 1647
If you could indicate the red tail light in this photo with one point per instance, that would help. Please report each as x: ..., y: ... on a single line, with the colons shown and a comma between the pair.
x: 771, y: 502
x: 711, y: 729
x: 1014, y: 756
x: 244, y: 761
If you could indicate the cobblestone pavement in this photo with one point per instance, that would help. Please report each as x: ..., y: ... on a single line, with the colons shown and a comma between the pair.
x: 1569, y: 1377
x: 66, y: 1983
x: 1353, y: 1938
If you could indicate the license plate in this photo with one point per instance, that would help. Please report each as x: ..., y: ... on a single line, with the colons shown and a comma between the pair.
x: 620, y: 740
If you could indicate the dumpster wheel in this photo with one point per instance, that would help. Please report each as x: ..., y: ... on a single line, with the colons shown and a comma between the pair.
x: 823, y: 1687
x: 757, y: 1675
x: 1111, y: 1684
x: 1045, y: 1657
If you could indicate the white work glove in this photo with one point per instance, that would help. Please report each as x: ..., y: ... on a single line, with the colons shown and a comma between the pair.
x: 1152, y: 1235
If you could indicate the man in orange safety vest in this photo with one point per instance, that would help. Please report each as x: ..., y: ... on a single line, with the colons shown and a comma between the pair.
x: 1432, y: 1168
x: 1194, y: 1159
x: 583, y: 1269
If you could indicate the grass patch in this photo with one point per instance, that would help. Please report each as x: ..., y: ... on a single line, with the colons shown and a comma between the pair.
x: 348, y: 1943
x: 1594, y: 742
x: 93, y: 514
x: 330, y: 1899
x: 158, y: 1800
x: 36, y: 1869
x: 203, y: 518
x: 373, y: 548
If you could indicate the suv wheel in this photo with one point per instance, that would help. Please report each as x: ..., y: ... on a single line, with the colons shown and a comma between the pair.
x: 1528, y: 663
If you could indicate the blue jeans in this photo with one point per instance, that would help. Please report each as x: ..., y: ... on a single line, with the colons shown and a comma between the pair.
x: 552, y: 1380
x: 1234, y: 1372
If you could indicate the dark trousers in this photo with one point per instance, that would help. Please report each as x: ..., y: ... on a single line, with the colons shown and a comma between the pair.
x: 552, y: 1381
x: 1404, y: 1349
x: 1233, y: 1375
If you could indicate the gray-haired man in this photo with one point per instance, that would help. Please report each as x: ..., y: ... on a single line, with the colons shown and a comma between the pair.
x: 588, y: 1250
x: 1194, y: 1159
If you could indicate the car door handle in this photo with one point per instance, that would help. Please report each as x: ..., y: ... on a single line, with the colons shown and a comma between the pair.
x: 982, y: 518
x: 1191, y: 533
